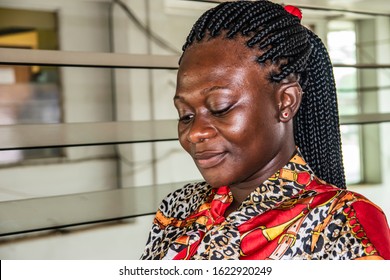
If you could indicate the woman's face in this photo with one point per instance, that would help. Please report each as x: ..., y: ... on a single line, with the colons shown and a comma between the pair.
x: 228, y: 112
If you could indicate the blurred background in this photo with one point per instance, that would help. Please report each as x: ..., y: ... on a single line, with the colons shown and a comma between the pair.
x: 88, y: 128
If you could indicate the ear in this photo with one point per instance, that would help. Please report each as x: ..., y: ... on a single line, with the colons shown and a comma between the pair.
x: 289, y: 97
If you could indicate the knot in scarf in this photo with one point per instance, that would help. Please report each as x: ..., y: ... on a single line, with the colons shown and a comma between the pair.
x: 211, y: 233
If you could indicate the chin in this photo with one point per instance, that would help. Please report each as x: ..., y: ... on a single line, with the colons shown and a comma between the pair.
x: 215, y: 183
x: 214, y: 176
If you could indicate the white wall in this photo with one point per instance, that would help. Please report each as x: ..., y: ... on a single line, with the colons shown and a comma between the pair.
x: 86, y: 97
x: 148, y: 94
x: 112, y: 242
x: 140, y: 95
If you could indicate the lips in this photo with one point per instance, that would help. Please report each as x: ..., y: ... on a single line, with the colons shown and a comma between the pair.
x: 208, y: 159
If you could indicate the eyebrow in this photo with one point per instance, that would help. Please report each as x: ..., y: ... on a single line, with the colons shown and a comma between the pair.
x: 213, y: 88
x: 204, y: 91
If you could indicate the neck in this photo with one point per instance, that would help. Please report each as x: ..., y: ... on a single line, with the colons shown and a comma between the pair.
x: 241, y: 190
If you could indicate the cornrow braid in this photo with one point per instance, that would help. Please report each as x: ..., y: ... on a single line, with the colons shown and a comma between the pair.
x: 222, y: 16
x: 254, y: 24
x: 278, y: 37
x: 237, y: 11
x: 295, y: 44
x: 276, y: 24
x: 295, y: 50
x: 247, y: 21
x: 296, y: 66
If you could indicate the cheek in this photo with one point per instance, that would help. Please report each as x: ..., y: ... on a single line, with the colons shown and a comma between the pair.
x: 243, y: 128
x: 183, y: 141
x: 237, y: 124
x: 251, y: 134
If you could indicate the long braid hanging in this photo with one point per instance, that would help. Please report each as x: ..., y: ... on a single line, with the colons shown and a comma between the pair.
x: 316, y: 125
x: 285, y: 42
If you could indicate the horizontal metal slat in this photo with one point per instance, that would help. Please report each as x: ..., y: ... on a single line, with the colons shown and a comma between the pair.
x: 37, y: 214
x: 86, y: 59
x: 362, y: 66
x: 110, y: 133
x: 85, y: 134
x: 110, y: 60
x: 365, y: 119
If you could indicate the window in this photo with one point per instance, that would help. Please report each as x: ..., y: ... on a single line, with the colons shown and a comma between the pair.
x: 342, y: 49
x: 29, y: 94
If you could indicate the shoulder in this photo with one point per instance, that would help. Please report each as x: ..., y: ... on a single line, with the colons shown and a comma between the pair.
x: 185, y: 200
x: 367, y: 220
x: 364, y: 220
x: 343, y: 196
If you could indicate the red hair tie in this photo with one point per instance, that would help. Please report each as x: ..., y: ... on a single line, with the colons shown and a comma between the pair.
x: 294, y: 11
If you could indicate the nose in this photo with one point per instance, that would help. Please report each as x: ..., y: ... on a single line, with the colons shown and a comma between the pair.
x: 201, y: 130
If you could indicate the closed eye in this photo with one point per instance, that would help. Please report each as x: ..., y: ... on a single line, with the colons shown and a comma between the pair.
x: 186, y: 118
x: 221, y: 112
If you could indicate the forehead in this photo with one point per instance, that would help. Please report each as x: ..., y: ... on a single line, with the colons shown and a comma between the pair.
x: 217, y: 58
x: 231, y: 51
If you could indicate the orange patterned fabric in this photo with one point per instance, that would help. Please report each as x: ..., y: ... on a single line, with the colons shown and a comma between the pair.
x: 292, y: 215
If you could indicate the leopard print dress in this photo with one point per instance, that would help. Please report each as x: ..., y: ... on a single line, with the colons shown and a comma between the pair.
x: 292, y: 215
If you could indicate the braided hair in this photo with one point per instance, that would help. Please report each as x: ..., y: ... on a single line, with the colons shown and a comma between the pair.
x: 295, y: 50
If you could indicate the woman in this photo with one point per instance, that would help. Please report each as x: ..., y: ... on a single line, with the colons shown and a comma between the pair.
x: 256, y: 98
